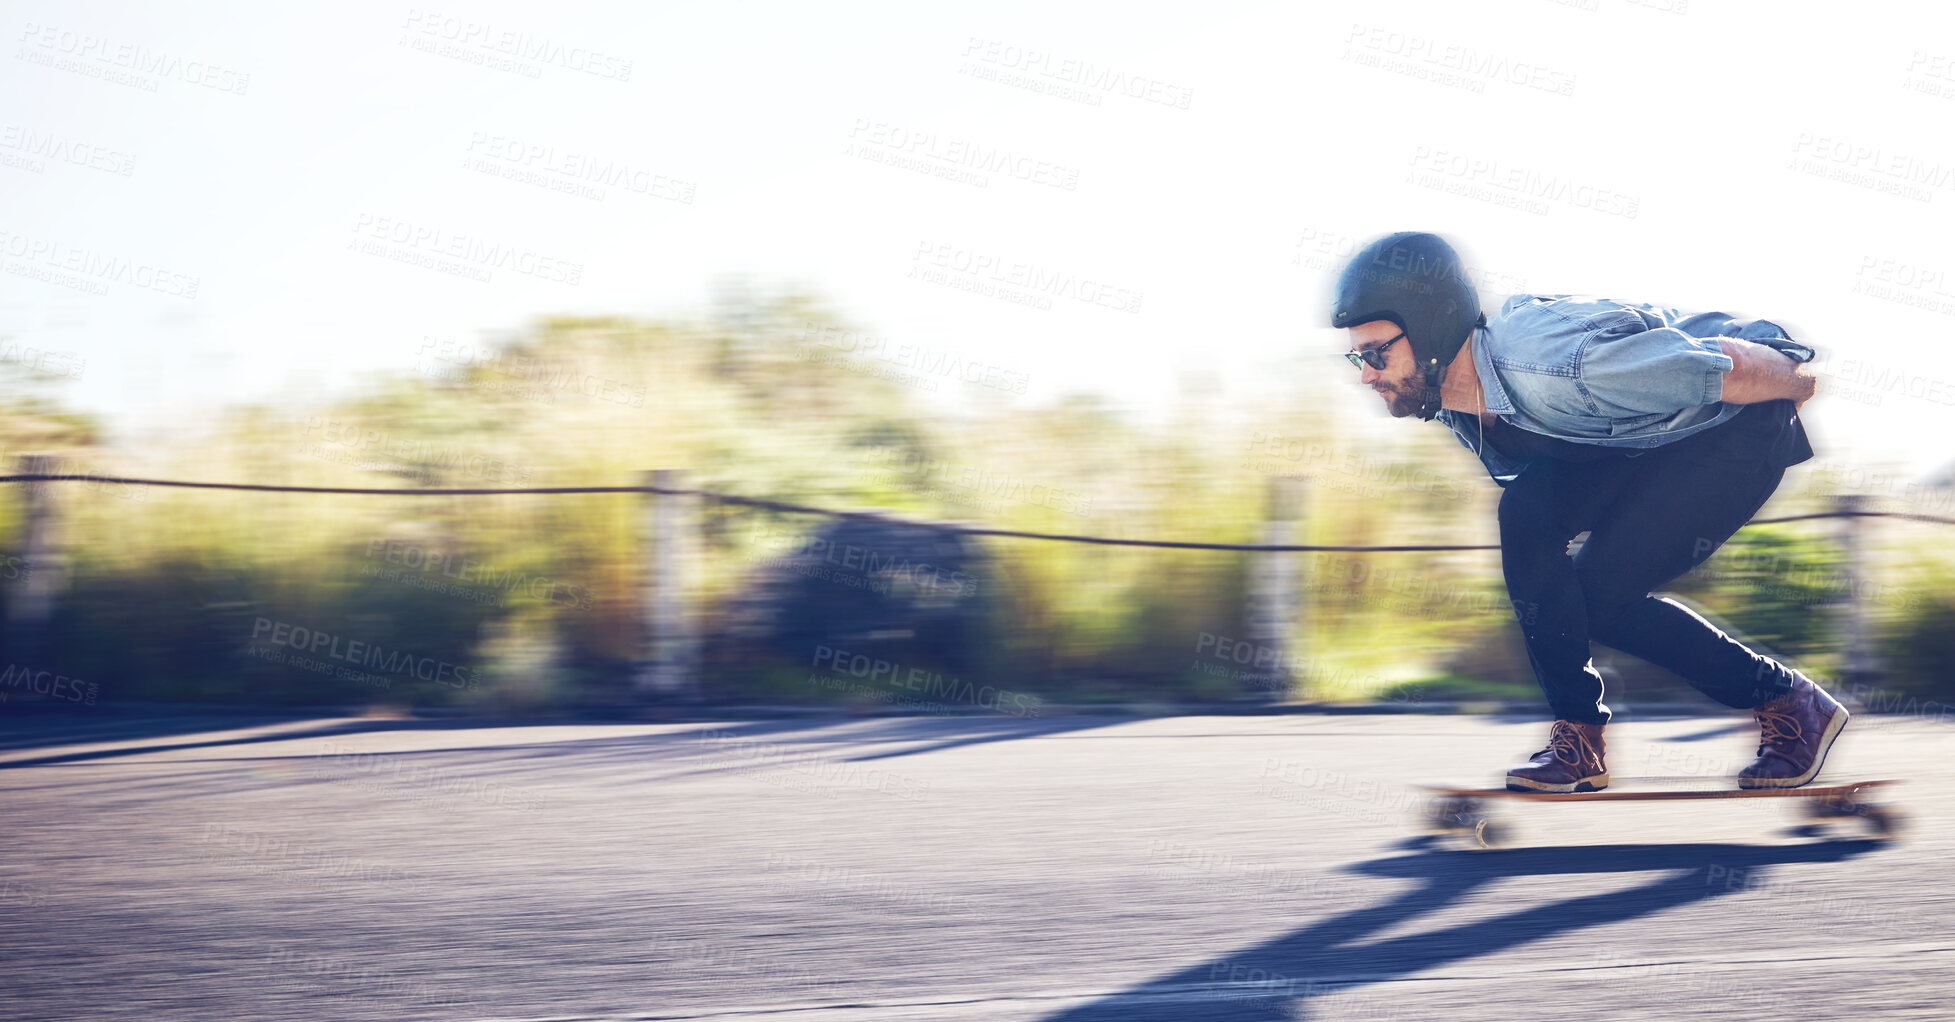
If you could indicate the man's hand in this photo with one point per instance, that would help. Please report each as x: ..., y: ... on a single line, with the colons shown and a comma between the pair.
x: 1760, y: 372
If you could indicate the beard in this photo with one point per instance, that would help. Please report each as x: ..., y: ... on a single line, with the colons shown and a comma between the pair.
x: 1403, y: 399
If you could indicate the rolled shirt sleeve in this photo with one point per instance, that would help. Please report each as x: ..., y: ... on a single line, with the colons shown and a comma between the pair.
x: 1629, y: 368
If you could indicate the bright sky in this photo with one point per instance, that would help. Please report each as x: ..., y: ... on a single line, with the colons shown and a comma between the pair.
x: 203, y: 204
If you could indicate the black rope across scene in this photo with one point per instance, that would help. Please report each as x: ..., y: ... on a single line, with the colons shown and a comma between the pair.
x: 802, y: 509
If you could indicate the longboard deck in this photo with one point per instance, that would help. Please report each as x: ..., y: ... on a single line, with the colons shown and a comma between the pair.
x: 1637, y: 789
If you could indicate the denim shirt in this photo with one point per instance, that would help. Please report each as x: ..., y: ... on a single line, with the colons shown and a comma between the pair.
x: 1596, y: 371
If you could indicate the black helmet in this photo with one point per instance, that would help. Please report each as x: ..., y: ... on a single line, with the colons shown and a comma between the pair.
x: 1416, y: 281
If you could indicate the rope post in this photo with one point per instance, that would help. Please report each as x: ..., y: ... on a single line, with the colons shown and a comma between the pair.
x: 1273, y: 597
x: 1860, y: 667
x: 668, y: 530
x: 32, y: 606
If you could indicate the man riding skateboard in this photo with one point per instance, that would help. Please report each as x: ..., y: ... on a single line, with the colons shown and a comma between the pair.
x: 1658, y: 434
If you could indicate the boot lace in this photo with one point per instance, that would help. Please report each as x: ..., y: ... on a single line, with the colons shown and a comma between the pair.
x: 1568, y: 744
x: 1777, y: 730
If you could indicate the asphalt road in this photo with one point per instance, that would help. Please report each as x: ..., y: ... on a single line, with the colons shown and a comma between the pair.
x: 848, y: 870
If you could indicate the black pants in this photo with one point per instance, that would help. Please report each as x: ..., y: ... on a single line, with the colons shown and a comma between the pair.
x: 1650, y: 518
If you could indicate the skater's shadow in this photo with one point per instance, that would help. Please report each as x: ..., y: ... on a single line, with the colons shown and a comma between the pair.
x: 1276, y: 979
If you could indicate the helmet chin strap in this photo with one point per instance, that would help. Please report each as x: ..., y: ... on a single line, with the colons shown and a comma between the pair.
x: 1429, y: 405
x: 1429, y: 400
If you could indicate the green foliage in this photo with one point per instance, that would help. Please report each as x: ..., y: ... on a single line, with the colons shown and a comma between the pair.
x: 1778, y: 586
x: 1919, y: 652
x: 539, y: 599
x: 1913, y: 620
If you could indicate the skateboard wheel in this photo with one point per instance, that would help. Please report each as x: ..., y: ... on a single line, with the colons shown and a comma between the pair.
x: 1489, y: 834
x: 1882, y: 821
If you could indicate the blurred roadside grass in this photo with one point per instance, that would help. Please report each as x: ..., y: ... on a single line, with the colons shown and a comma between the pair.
x: 534, y: 602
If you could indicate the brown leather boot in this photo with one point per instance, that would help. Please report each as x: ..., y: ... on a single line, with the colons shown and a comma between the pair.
x: 1795, y: 730
x: 1571, y: 762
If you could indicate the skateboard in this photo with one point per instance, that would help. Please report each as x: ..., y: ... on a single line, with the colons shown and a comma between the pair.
x: 1462, y: 812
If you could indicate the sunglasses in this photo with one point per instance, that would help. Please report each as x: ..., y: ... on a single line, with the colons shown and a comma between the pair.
x: 1373, y: 356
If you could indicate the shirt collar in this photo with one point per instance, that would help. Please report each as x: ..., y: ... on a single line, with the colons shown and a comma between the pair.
x: 1491, y: 391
